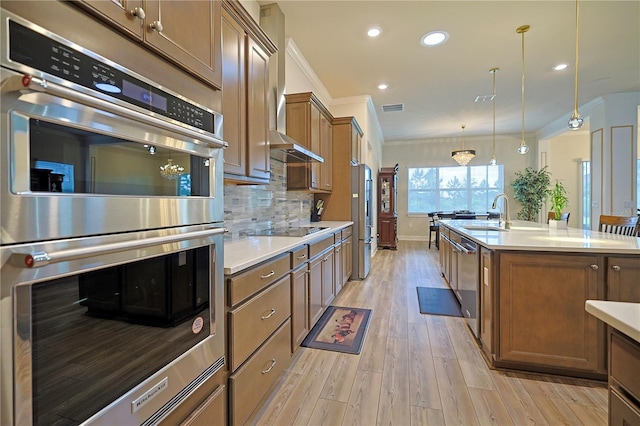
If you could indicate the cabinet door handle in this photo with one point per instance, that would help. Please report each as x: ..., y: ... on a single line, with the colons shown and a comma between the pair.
x: 304, y: 256
x: 273, y: 364
x: 156, y: 26
x: 270, y: 274
x: 594, y: 267
x: 269, y: 315
x: 138, y: 12
x: 616, y: 268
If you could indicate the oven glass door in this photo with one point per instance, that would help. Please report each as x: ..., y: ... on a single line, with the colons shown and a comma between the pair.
x: 98, y: 334
x: 110, y: 316
x: 70, y: 160
x: 78, y: 169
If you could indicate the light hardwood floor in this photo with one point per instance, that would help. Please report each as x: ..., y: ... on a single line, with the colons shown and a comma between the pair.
x: 417, y: 369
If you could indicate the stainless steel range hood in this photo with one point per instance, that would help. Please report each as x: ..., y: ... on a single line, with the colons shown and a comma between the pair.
x: 288, y: 150
x: 283, y: 147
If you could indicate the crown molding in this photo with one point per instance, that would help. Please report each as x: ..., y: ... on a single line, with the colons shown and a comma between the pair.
x: 294, y: 52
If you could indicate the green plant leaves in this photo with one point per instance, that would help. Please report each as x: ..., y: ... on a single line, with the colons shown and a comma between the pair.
x: 531, y: 188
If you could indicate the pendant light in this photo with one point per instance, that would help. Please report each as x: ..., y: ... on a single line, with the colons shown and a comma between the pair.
x: 575, y: 122
x: 463, y: 156
x: 523, y: 148
x: 493, y: 161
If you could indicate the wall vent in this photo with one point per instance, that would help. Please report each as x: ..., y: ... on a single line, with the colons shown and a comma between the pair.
x: 393, y: 107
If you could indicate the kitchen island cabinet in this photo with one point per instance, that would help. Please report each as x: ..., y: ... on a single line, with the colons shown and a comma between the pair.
x: 186, y: 32
x: 541, y: 312
x: 533, y: 284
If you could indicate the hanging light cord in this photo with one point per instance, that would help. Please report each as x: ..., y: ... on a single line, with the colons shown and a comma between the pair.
x: 494, y: 113
x: 524, y: 30
x: 463, y: 126
x: 575, y: 96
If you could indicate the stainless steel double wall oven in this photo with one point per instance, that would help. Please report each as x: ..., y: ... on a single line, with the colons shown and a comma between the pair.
x: 111, y: 247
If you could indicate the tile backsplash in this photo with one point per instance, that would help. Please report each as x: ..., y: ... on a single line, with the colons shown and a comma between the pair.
x: 251, y: 208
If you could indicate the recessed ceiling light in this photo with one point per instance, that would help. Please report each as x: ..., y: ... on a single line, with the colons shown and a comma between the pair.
x: 374, y: 32
x: 382, y: 86
x: 434, y: 38
x: 560, y: 67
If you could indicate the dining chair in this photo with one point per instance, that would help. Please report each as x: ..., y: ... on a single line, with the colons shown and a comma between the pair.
x: 621, y: 225
x: 434, y: 227
x: 563, y: 216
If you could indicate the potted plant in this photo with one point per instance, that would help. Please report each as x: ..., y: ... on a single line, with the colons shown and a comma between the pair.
x: 531, y: 189
x: 559, y: 200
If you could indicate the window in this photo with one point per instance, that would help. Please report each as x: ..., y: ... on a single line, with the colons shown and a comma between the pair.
x: 453, y: 188
x: 586, y: 194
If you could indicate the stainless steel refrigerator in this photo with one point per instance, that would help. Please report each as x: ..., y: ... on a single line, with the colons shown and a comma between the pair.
x: 362, y: 216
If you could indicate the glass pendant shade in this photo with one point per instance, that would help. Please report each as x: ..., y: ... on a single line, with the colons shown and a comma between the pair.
x: 575, y: 122
x: 493, y: 161
x: 523, y: 148
x: 463, y: 156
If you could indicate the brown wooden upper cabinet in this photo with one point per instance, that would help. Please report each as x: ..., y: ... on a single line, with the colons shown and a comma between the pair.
x: 185, y: 32
x: 245, y: 74
x: 310, y: 123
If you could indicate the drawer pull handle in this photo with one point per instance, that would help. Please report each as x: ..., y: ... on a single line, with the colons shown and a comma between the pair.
x: 594, y: 267
x: 615, y: 268
x: 273, y: 364
x: 269, y: 315
x: 304, y: 256
x: 270, y: 274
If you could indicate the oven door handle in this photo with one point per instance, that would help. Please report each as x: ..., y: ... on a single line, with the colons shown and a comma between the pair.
x: 41, y: 85
x: 41, y: 258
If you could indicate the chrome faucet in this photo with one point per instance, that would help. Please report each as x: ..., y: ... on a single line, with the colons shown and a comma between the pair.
x: 507, y: 221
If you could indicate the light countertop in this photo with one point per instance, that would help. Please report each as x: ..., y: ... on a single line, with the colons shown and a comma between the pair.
x: 249, y: 251
x: 533, y: 236
x: 623, y: 316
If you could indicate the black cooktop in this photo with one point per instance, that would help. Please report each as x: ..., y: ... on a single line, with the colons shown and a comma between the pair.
x: 302, y: 231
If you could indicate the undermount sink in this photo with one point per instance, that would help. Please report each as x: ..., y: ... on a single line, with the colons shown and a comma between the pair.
x: 485, y: 228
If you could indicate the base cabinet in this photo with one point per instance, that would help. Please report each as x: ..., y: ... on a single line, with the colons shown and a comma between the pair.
x: 207, y: 404
x: 486, y: 301
x: 624, y: 386
x: 542, y: 318
x: 251, y: 382
x: 299, y: 306
x: 623, y: 283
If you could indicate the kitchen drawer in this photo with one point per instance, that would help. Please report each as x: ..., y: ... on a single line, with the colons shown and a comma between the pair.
x: 252, y: 322
x: 625, y: 358
x: 249, y: 384
x: 346, y: 232
x: 319, y: 246
x: 299, y: 256
x: 248, y: 283
x: 622, y: 412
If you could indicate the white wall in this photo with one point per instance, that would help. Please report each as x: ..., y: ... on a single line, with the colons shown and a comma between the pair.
x: 437, y: 153
x: 564, y: 155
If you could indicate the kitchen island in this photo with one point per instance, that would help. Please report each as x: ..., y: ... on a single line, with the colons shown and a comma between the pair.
x: 532, y: 283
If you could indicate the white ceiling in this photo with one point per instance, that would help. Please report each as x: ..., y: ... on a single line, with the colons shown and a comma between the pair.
x: 438, y: 85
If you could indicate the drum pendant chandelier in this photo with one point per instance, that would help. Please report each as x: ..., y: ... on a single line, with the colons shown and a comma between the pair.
x: 463, y: 156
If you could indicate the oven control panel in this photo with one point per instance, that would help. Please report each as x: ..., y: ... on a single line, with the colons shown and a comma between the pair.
x: 82, y: 67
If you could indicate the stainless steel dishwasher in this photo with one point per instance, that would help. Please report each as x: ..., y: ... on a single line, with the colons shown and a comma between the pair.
x: 468, y: 282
